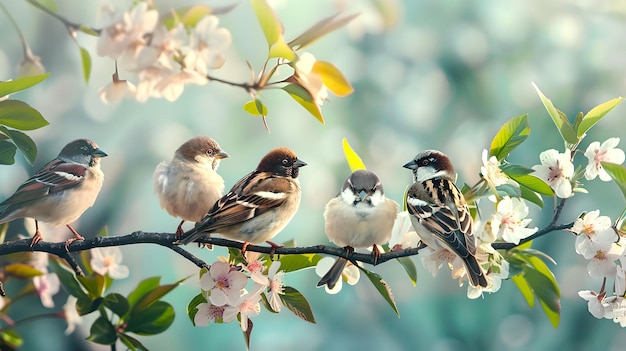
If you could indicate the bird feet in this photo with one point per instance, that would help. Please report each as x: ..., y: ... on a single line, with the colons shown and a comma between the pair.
x: 76, y: 237
x: 36, y: 239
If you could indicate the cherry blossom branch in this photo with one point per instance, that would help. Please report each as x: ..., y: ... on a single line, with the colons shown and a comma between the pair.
x: 71, y: 25
x: 167, y: 239
x: 249, y: 87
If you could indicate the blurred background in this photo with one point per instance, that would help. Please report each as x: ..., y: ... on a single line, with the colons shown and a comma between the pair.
x: 427, y: 74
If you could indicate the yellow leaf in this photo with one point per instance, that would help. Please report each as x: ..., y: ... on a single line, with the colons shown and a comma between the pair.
x: 354, y: 161
x: 333, y: 78
x: 282, y: 50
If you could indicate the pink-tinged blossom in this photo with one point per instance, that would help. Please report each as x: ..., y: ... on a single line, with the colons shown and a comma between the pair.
x: 125, y: 30
x: 207, y: 44
x: 602, y: 264
x: 222, y: 284
x: 594, y: 302
x: 71, y: 315
x: 47, y: 285
x: 556, y: 169
x: 588, y: 229
x: 107, y: 260
x: 509, y: 222
x: 275, y: 288
x: 207, y: 314
x: 607, y: 152
x: 492, y: 173
x: 256, y: 267
x: 116, y: 91
x: 403, y: 236
x: 246, y: 306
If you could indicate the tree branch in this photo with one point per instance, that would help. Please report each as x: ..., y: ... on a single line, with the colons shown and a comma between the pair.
x: 167, y: 240
x: 71, y: 25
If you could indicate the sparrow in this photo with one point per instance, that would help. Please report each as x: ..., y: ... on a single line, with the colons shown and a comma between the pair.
x: 259, y: 205
x: 60, y: 191
x: 360, y: 216
x: 189, y: 186
x: 439, y: 213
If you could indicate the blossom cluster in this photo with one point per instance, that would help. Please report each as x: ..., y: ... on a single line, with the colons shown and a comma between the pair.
x: 224, y: 288
x: 162, y: 59
x: 599, y: 243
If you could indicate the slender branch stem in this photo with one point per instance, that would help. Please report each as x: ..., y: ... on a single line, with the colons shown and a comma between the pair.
x: 247, y: 86
x: 550, y: 228
x: 66, y: 22
x: 25, y: 46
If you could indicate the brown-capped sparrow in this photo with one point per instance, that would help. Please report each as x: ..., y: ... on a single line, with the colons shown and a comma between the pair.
x: 60, y: 191
x: 360, y: 216
x: 259, y: 205
x: 189, y: 186
x: 439, y: 213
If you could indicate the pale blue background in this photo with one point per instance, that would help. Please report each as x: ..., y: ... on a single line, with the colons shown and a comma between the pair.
x: 446, y: 77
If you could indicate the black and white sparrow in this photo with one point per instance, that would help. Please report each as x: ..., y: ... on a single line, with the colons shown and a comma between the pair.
x: 60, y: 191
x: 439, y: 212
x: 360, y: 216
x: 259, y: 205
x: 189, y: 186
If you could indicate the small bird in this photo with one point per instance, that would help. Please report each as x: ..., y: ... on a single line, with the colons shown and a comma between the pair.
x: 189, y: 186
x: 259, y: 205
x: 60, y: 191
x: 439, y: 212
x: 360, y: 216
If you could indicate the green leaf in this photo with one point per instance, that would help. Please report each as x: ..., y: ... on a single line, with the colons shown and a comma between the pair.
x: 510, y: 136
x: 132, y: 343
x: 22, y: 270
x: 143, y: 288
x: 88, y: 30
x: 354, y: 161
x: 23, y: 142
x: 533, y: 183
x: 13, y: 86
x: 531, y: 196
x: 545, y: 290
x: 117, y: 304
x: 618, y: 173
x: 85, y: 59
x: 255, y: 108
x: 154, y: 319
x: 409, y: 267
x: 7, y: 152
x: 382, y: 287
x: 515, y: 170
x: 304, y: 98
x: 86, y: 305
x: 273, y: 30
x: 11, y: 339
x: 266, y: 304
x: 553, y: 316
x: 291, y: 263
x: 102, y: 332
x: 192, y: 307
x: 191, y: 15
x: 68, y: 279
x: 320, y: 29
x: 524, y: 289
x: 595, y: 115
x: 297, y: 303
x: 19, y: 115
x: 154, y: 295
x: 560, y: 120
x: 94, y: 284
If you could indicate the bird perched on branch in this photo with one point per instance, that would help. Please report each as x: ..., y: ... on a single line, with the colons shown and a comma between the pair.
x: 360, y: 216
x: 259, y: 205
x: 60, y: 191
x: 189, y: 186
x: 439, y: 213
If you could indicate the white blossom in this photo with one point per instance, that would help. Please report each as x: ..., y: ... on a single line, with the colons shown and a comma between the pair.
x: 509, y: 222
x: 607, y: 152
x: 556, y: 169
x: 107, y: 260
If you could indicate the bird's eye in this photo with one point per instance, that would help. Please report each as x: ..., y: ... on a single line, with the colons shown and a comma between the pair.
x: 209, y: 152
x: 84, y: 148
x: 285, y: 162
x: 425, y: 162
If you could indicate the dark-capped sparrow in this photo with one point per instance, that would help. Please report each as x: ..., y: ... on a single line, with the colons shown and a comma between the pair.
x: 259, y: 205
x: 60, y: 191
x: 439, y: 212
x: 189, y: 186
x: 360, y: 216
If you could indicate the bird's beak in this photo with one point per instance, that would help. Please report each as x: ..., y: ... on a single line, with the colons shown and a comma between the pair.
x: 222, y: 154
x: 99, y: 153
x: 299, y: 163
x: 411, y: 165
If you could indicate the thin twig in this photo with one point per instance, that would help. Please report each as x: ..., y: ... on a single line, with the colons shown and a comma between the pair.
x: 72, y: 262
x: 66, y: 22
x: 539, y: 233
